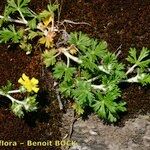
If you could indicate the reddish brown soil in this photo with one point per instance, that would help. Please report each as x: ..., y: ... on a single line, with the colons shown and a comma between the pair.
x: 42, y: 125
x: 120, y: 23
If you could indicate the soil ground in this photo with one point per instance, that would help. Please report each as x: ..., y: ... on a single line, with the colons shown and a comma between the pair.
x: 123, y: 24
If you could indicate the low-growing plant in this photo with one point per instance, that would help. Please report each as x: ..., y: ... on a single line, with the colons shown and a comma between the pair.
x: 29, y: 87
x: 83, y: 67
x: 33, y: 25
x: 91, y: 74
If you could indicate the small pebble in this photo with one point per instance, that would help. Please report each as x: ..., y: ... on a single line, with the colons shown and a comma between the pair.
x: 93, y: 132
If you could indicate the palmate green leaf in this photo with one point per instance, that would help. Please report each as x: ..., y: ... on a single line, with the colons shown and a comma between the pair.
x: 113, y: 92
x: 50, y: 12
x: 99, y: 108
x: 144, y: 53
x: 59, y: 70
x: 88, y: 64
x: 116, y: 74
x: 62, y: 71
x: 44, y: 14
x: 144, y: 64
x: 139, y: 61
x: 121, y: 106
x: 27, y: 47
x: 33, y: 34
x: 113, y: 113
x: 16, y: 6
x: 66, y: 88
x: 32, y: 23
x: 93, y: 45
x: 99, y: 105
x: 109, y: 62
x: 22, y: 3
x: 10, y: 34
x: 111, y: 117
x: 111, y: 81
x: 30, y: 103
x: 101, y: 49
x: 84, y: 74
x: 90, y: 58
x: 144, y: 79
x: 8, y: 87
x: 106, y: 107
x: 111, y: 106
x: 109, y: 58
x: 49, y: 57
x: 69, y: 73
x: 132, y: 56
x: 83, y: 94
x: 27, y: 13
x: 52, y: 7
x: 17, y: 109
x: 80, y: 40
x: 118, y: 71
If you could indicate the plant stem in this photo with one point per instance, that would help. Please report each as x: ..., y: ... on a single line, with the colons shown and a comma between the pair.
x: 14, y: 91
x: 14, y: 20
x: 14, y: 100
x: 72, y: 22
x: 131, y: 69
x: 59, y: 99
x: 11, y: 98
x: 68, y: 62
x: 33, y: 13
x: 131, y: 80
x: 77, y: 60
x: 93, y: 79
x: 101, y: 68
x: 52, y: 27
x: 99, y: 87
x: 134, y: 79
x: 24, y: 20
x: 67, y: 54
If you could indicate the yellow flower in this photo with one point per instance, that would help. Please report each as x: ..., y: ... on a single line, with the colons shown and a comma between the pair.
x: 48, y: 39
x: 73, y: 50
x: 47, y: 20
x: 30, y: 85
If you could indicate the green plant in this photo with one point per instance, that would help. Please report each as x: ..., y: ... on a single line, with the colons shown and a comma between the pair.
x: 20, y: 25
x: 33, y: 25
x: 28, y: 87
x: 91, y: 74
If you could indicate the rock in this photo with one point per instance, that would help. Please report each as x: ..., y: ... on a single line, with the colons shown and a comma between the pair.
x: 92, y: 134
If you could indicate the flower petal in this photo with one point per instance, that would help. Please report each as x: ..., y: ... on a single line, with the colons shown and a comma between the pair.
x: 21, y: 81
x: 47, y: 20
x: 25, y: 77
x: 34, y: 81
x: 35, y: 89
